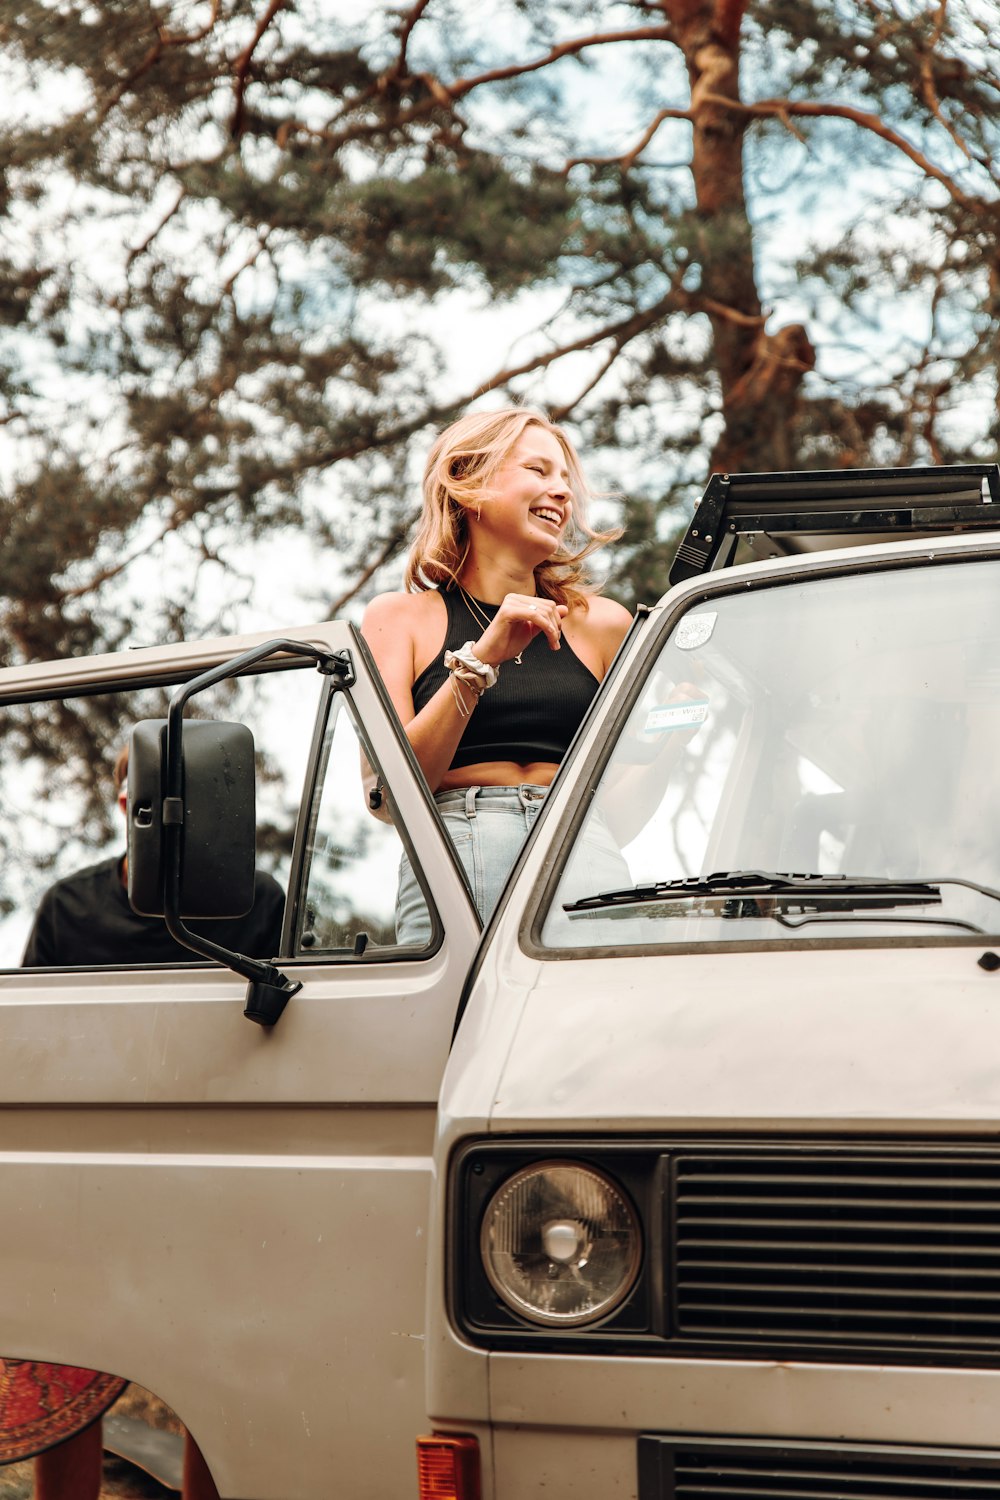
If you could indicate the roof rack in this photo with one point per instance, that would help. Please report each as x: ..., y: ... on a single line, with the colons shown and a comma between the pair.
x: 747, y: 517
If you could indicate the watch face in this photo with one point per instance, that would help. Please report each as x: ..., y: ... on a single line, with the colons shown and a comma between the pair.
x: 42, y: 1404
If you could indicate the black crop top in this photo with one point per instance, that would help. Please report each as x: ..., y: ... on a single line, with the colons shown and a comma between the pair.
x: 532, y: 712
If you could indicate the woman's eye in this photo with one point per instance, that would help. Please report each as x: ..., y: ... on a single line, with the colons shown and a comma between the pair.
x: 535, y: 468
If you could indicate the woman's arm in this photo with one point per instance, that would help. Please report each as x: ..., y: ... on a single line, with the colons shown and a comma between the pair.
x: 611, y: 623
x: 394, y: 626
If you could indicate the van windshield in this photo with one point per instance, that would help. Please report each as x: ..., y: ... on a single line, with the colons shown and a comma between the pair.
x: 844, y: 730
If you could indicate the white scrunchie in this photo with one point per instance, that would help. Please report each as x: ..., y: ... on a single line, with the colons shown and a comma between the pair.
x: 467, y: 658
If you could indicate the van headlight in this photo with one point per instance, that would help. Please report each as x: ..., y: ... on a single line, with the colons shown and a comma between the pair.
x: 561, y: 1244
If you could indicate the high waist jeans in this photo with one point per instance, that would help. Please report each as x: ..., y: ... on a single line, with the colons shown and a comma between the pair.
x: 487, y: 825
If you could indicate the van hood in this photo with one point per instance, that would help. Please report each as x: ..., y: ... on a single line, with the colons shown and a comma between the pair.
x: 886, y: 1038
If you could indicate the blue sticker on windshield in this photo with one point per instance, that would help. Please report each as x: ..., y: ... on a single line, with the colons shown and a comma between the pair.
x: 687, y: 715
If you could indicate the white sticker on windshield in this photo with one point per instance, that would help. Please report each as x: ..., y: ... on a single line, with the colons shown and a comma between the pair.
x: 695, y: 630
x: 676, y: 716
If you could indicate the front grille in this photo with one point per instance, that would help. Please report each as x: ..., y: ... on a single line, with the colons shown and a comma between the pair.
x: 672, y: 1469
x: 842, y: 1247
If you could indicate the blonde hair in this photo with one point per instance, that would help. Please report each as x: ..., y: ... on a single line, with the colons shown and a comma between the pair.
x: 461, y: 468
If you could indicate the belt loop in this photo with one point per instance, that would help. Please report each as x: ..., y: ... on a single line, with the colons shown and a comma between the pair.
x: 470, y: 801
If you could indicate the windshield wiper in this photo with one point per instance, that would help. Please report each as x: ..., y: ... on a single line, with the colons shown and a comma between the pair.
x: 809, y: 892
x: 820, y: 898
x: 971, y: 885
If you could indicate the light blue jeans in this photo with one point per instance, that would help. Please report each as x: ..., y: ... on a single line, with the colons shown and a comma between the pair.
x: 487, y: 825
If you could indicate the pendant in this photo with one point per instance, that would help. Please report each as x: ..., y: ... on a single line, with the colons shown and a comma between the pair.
x: 517, y: 660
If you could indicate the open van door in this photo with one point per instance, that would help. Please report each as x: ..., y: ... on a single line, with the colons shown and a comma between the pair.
x: 234, y: 1215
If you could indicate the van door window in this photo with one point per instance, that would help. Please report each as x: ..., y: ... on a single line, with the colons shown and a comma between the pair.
x: 62, y: 832
x: 355, y: 857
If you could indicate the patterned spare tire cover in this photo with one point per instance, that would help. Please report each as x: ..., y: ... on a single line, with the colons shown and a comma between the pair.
x: 42, y: 1405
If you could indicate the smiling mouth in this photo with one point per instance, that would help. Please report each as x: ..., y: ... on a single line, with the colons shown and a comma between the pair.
x: 545, y: 513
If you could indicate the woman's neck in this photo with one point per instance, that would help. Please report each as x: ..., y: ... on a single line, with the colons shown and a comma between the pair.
x: 491, y: 580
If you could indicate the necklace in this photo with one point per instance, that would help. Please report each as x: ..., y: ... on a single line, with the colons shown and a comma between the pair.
x: 482, y: 619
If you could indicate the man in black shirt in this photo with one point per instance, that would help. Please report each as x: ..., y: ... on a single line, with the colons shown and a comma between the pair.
x: 85, y: 919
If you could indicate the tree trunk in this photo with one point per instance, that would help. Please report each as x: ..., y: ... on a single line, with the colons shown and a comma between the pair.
x: 759, y: 374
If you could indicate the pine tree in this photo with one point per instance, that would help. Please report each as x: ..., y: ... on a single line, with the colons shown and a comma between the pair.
x: 248, y: 245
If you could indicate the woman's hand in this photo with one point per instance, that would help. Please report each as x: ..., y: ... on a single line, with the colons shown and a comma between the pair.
x: 516, y: 623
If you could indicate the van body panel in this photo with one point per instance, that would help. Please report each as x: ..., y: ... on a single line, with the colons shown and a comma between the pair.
x: 256, y: 1296
x: 146, y: 1038
x: 765, y: 1397
x: 909, y: 1039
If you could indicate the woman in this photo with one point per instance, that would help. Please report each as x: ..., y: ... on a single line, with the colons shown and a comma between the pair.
x: 496, y: 649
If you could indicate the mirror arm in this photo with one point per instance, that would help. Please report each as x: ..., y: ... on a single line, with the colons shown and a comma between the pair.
x: 268, y: 990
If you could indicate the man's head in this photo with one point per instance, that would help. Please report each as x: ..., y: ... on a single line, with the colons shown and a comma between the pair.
x: 120, y: 774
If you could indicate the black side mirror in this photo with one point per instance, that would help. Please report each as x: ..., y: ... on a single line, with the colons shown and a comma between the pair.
x: 191, y: 821
x: 218, y: 816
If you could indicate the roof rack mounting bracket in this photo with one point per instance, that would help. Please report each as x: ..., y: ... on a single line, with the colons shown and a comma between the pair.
x: 841, y: 507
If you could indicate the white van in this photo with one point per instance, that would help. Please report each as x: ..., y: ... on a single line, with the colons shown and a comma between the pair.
x: 690, y: 1188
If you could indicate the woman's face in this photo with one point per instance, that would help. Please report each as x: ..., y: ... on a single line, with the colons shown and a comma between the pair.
x: 531, y: 503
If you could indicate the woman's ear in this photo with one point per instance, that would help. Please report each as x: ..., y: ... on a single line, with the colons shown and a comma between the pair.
x: 463, y: 509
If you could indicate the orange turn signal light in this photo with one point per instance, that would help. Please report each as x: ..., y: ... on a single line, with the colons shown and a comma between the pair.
x: 448, y: 1467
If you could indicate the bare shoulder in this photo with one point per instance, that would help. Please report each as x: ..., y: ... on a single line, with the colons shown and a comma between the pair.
x: 608, y: 621
x: 597, y: 631
x: 607, y: 614
x: 390, y: 609
x: 404, y: 631
x: 399, y: 612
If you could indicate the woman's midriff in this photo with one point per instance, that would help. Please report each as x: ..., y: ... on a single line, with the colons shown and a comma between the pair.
x: 499, y: 773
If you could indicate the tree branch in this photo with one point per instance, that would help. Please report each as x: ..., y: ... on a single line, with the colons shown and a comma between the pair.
x: 560, y: 413
x: 194, y: 36
x: 243, y: 65
x: 441, y: 95
x: 622, y: 332
x: 384, y: 554
x: 114, y: 570
x: 250, y: 259
x: 413, y: 16
x: 164, y: 39
x: 675, y: 300
x: 362, y: 442
x: 447, y: 94
x: 628, y: 159
x: 928, y: 87
x: 144, y: 245
x: 464, y: 86
x: 789, y: 107
x: 696, y: 302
